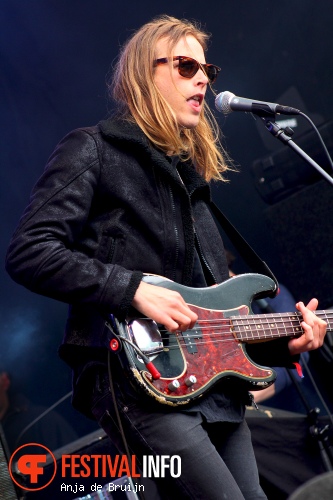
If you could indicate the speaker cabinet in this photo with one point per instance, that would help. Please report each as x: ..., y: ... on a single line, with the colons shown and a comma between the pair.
x: 319, y: 488
x: 301, y: 227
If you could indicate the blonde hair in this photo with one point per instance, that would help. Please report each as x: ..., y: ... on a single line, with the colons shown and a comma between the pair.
x: 139, y: 100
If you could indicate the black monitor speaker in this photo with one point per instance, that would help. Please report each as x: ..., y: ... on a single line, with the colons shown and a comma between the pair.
x: 301, y: 227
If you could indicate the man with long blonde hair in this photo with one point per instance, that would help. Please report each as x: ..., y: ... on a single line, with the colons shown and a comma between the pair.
x: 127, y: 197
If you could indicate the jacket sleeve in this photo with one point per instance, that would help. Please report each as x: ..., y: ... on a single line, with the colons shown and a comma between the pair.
x: 45, y: 254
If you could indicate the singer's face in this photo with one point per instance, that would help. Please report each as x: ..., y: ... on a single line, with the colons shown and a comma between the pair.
x: 185, y: 95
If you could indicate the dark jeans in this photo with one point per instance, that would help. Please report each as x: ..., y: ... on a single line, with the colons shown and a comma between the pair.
x: 217, y: 460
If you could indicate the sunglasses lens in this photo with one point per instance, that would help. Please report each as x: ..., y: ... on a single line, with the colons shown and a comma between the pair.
x: 188, y: 67
x: 211, y: 73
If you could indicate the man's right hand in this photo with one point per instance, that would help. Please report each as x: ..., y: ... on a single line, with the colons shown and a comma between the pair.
x: 164, y: 306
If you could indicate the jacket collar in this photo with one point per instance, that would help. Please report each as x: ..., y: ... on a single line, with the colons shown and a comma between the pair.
x: 129, y: 135
x: 123, y: 131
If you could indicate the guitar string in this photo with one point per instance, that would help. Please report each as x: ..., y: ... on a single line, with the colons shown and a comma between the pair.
x: 271, y: 319
x: 227, y: 326
x: 218, y: 332
x: 259, y: 316
x: 196, y: 341
x: 183, y: 344
x: 261, y: 319
x: 239, y: 322
x: 238, y: 329
x: 222, y: 355
x: 251, y: 320
x: 252, y: 328
x: 179, y: 339
x: 279, y: 331
x: 217, y: 335
x: 242, y: 327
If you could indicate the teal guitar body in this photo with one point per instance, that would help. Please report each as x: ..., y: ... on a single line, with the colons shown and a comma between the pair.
x: 177, y: 368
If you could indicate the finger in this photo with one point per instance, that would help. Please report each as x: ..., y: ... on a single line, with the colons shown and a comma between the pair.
x: 184, y: 321
x: 186, y: 317
x: 182, y: 313
x: 174, y: 320
x: 171, y: 326
x: 308, y: 315
x: 312, y: 305
x: 308, y: 336
x: 313, y: 327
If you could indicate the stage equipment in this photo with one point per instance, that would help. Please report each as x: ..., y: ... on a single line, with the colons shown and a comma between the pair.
x: 301, y: 227
x: 286, y: 453
x: 8, y: 490
x: 281, y: 173
x: 226, y: 102
x: 318, y: 488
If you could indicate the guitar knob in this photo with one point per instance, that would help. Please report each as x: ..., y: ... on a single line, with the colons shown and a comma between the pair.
x: 174, y: 385
x: 192, y: 379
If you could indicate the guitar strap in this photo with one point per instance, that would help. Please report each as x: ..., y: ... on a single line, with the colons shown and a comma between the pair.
x: 250, y: 257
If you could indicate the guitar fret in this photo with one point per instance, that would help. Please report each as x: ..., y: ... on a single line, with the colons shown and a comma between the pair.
x: 261, y: 327
x: 328, y: 317
x: 268, y: 326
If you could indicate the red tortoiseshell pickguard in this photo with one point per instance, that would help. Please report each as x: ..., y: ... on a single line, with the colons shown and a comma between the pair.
x: 219, y: 354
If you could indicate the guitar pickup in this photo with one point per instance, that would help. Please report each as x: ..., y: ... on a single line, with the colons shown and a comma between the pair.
x: 190, y: 337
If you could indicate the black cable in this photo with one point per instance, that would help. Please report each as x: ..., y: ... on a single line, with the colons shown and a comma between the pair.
x: 316, y: 388
x: 320, y: 434
x: 42, y: 415
x: 120, y: 424
x: 320, y: 138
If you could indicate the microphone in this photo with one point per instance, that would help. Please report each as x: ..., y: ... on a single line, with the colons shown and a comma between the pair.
x: 227, y: 102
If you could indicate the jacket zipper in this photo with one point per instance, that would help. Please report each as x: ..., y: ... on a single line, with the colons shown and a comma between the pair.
x: 175, y: 231
x: 202, y: 257
x: 111, y: 250
x: 199, y: 249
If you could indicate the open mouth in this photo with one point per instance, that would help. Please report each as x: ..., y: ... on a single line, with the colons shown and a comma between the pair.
x: 196, y: 99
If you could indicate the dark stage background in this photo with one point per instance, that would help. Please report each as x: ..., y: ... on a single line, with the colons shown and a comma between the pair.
x: 55, y: 55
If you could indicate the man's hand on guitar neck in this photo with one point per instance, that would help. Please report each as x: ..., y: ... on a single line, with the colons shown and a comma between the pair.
x: 314, y: 329
x: 168, y: 308
x: 164, y: 306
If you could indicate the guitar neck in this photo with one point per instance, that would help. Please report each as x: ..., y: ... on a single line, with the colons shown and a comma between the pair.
x: 271, y: 326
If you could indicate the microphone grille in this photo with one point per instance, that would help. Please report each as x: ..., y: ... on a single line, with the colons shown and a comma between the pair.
x: 222, y: 102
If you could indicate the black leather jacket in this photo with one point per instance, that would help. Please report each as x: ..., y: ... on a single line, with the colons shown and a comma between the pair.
x: 108, y: 208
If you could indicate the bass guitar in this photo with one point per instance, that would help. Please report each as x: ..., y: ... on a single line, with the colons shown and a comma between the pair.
x: 176, y: 368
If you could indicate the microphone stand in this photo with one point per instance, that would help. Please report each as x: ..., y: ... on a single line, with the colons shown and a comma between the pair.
x: 284, y: 135
x: 318, y: 431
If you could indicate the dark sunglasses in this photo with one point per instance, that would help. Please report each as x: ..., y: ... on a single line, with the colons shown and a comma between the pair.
x: 188, y: 67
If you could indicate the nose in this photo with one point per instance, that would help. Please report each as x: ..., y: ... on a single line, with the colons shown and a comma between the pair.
x: 201, y: 77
